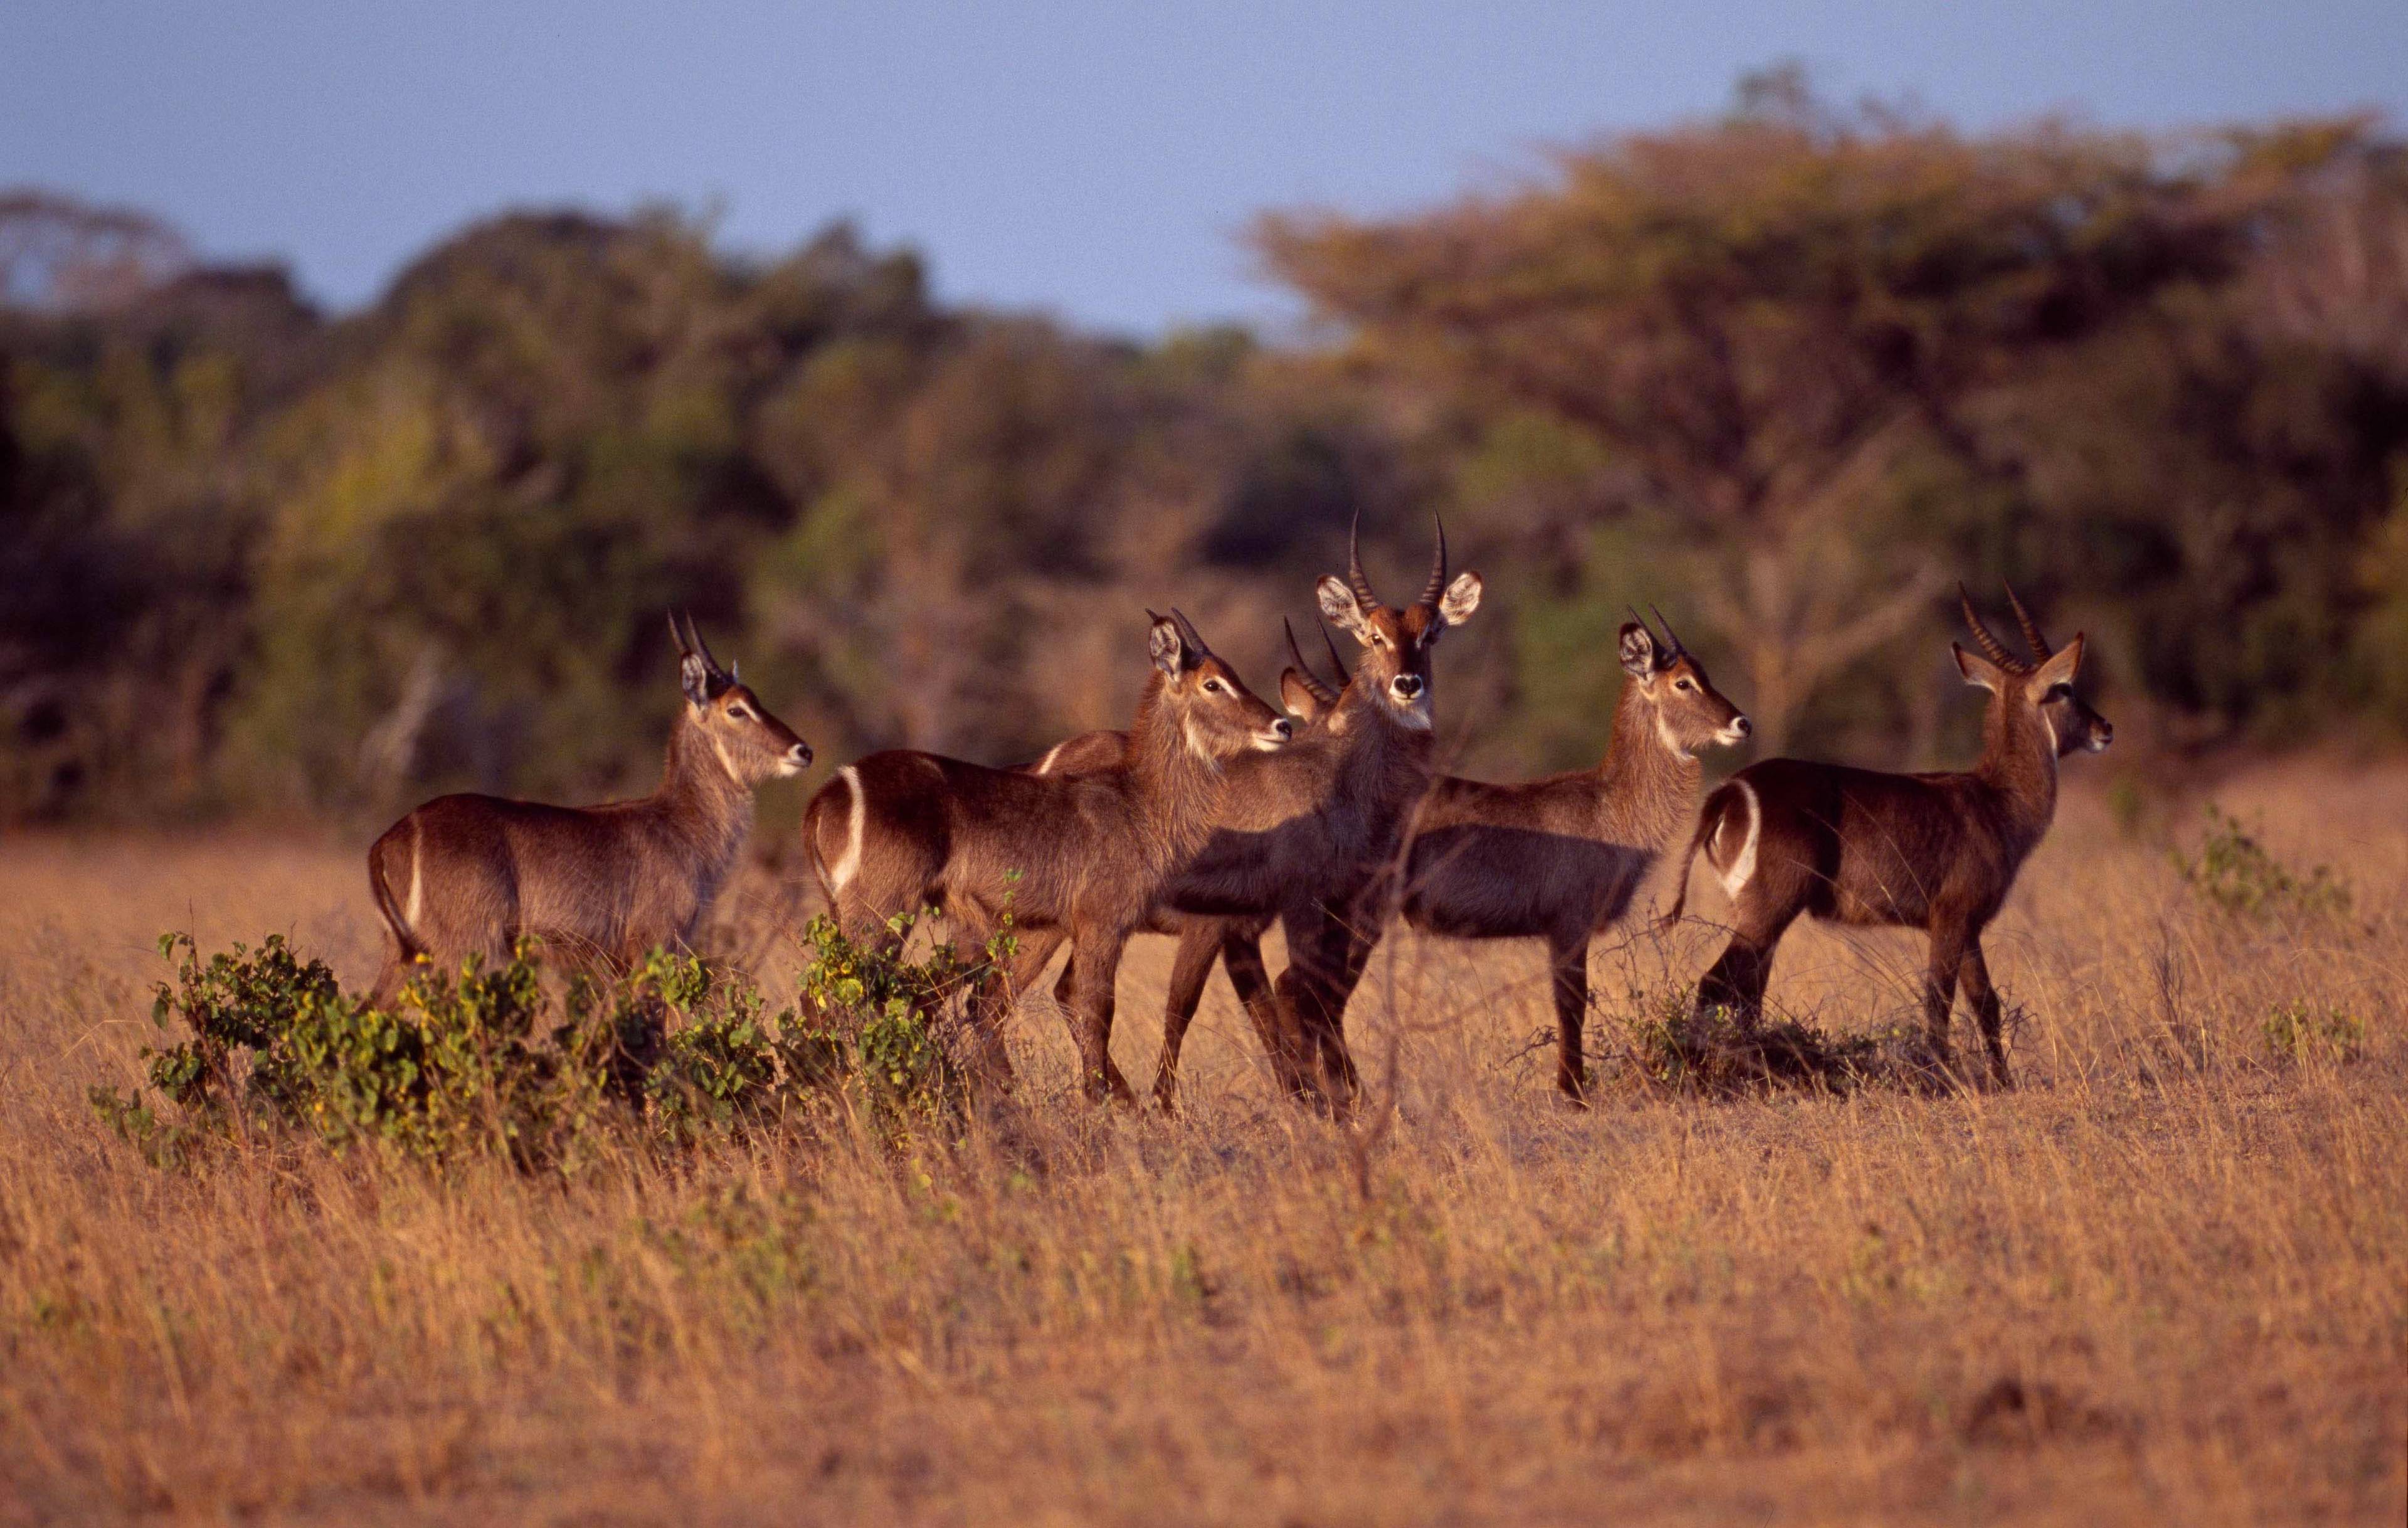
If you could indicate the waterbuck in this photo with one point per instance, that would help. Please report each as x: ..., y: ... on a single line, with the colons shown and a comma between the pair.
x: 1078, y: 856
x: 1236, y: 942
x: 1557, y: 859
x: 472, y: 875
x: 1936, y: 852
x: 1309, y: 835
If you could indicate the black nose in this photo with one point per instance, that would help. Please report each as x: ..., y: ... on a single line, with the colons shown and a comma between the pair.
x: 1409, y: 685
x: 1745, y: 727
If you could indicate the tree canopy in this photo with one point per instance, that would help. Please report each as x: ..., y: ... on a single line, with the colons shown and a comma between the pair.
x: 1789, y: 375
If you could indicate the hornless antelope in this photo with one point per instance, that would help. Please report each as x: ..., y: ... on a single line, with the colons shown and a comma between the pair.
x: 1076, y: 856
x: 1309, y: 835
x: 1935, y: 852
x: 471, y: 874
x: 1557, y: 859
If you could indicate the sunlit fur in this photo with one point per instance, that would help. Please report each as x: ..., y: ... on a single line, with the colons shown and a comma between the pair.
x: 1074, y: 856
x: 1933, y: 851
x: 1309, y: 834
x: 1557, y: 859
x: 473, y: 874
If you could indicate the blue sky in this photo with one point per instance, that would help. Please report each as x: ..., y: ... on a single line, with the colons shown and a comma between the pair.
x: 1094, y: 159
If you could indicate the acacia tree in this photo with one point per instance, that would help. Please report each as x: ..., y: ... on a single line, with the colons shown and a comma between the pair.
x: 1775, y: 325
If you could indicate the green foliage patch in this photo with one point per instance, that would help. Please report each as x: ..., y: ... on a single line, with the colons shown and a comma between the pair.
x: 2235, y: 873
x: 500, y: 1062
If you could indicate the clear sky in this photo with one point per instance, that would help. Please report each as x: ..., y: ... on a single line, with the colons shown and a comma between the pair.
x: 1092, y: 158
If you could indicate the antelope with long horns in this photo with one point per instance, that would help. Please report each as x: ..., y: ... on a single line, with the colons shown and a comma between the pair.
x: 1076, y: 857
x: 1557, y: 859
x: 1933, y: 851
x: 1309, y: 835
x: 474, y: 873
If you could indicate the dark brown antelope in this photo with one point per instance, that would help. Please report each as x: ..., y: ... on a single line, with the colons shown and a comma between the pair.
x: 472, y: 875
x: 1937, y: 852
x: 1235, y: 942
x: 1559, y: 859
x: 1074, y: 856
x: 1309, y: 835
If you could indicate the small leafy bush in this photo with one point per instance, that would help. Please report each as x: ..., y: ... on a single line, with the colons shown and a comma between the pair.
x: 1675, y: 1046
x: 498, y: 1061
x: 2239, y: 875
x: 2297, y: 1032
x: 875, y: 1023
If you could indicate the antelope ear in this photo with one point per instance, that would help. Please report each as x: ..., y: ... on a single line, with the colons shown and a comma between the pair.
x: 1638, y: 650
x: 1461, y: 598
x: 693, y: 678
x: 1298, y: 696
x: 1338, y: 604
x: 1978, y: 669
x: 1167, y: 647
x: 2060, y: 669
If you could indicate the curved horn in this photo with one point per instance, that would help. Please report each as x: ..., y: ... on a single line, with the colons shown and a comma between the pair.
x: 702, y: 647
x: 1437, y: 585
x: 1188, y: 633
x: 677, y: 635
x: 1672, y: 638
x: 2039, y: 644
x: 1991, y: 647
x: 1304, y: 672
x: 1364, y: 595
x: 1336, y: 659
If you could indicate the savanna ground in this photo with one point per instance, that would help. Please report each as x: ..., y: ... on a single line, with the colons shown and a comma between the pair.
x: 2165, y: 1280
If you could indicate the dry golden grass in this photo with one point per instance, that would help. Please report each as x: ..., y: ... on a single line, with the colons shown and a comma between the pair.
x: 2165, y: 1280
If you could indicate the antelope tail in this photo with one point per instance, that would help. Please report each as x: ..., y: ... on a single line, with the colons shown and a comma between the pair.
x: 1708, y: 821
x: 388, y: 908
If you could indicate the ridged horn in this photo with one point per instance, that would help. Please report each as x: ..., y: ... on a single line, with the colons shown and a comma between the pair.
x: 2038, y: 643
x: 1304, y: 672
x: 1365, y: 596
x: 1336, y: 659
x: 1437, y: 585
x: 1991, y: 647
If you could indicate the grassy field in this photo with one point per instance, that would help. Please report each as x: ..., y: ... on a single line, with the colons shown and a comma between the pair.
x: 2165, y: 1280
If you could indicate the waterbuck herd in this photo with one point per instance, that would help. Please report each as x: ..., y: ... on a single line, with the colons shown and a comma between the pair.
x: 1215, y: 815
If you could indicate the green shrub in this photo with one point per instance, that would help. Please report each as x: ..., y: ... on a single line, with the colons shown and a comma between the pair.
x: 2237, y: 874
x: 2297, y: 1032
x: 498, y: 1061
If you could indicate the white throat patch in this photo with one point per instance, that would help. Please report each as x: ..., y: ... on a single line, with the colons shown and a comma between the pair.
x: 1196, y: 745
x: 1671, y: 744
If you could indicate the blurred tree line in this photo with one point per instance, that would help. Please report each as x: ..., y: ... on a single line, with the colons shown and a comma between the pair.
x: 1789, y: 373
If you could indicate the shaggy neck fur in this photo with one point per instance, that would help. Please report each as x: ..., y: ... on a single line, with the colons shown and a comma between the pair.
x: 702, y: 803
x: 1386, y: 762
x: 1647, y: 789
x: 2019, y: 762
x: 1175, y: 790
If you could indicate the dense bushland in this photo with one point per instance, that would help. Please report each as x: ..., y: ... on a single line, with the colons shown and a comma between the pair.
x: 1790, y: 374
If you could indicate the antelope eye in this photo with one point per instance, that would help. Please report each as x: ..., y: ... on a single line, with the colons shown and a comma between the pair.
x: 1683, y: 685
x: 742, y: 713
x: 1213, y: 687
